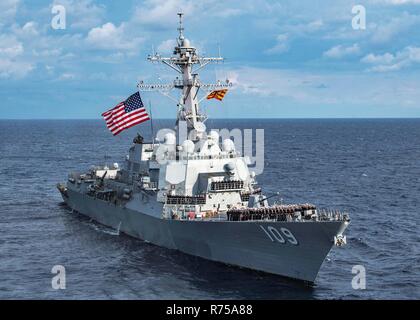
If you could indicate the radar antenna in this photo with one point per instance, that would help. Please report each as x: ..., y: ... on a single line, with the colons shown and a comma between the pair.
x: 184, y: 58
x: 180, y: 28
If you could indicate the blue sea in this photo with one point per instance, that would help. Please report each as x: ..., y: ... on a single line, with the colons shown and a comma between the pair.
x: 367, y: 167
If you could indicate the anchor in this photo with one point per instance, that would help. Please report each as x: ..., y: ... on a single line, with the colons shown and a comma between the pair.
x: 340, y: 240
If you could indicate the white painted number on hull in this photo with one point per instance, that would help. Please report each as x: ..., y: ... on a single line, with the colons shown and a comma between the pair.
x: 280, y: 236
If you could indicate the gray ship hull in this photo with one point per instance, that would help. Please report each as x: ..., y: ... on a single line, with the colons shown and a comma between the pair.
x: 245, y: 244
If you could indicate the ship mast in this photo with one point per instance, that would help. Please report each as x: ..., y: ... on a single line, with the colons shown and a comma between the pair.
x: 184, y: 59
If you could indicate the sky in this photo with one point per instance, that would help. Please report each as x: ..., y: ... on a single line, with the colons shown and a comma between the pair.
x: 286, y: 59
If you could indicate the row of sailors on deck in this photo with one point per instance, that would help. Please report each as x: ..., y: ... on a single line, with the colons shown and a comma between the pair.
x: 279, y: 209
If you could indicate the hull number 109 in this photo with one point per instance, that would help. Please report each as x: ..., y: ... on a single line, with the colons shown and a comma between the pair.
x: 282, y: 236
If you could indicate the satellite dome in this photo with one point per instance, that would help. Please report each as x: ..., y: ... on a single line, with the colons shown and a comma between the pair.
x: 188, y: 146
x: 213, y: 135
x: 228, y: 145
x: 229, y: 167
x: 200, y: 127
x: 169, y: 138
x: 186, y: 43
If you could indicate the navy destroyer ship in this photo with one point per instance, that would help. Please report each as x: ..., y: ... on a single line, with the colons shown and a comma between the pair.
x: 198, y: 195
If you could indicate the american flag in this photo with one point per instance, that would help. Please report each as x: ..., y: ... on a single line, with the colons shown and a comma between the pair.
x: 126, y: 114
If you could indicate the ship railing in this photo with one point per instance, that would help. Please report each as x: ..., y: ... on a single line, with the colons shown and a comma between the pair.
x: 185, y: 212
x: 174, y: 156
x: 182, y: 83
x: 319, y: 215
x: 289, y: 213
x: 332, y: 215
x: 210, y: 157
x: 226, y: 185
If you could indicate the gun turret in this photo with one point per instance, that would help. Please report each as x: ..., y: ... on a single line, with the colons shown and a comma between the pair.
x: 138, y: 139
x: 101, y: 181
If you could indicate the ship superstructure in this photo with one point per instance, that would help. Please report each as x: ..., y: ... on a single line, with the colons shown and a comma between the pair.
x: 192, y: 191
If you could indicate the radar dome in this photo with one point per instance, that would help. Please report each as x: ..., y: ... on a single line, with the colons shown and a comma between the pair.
x: 228, y: 145
x: 213, y: 135
x: 188, y: 146
x: 200, y: 127
x: 169, y: 138
x: 186, y: 43
x: 229, y: 167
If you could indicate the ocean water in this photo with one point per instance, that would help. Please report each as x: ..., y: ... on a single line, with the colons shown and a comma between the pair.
x: 370, y: 168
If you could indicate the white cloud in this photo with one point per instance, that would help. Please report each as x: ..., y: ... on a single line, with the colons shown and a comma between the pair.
x: 315, y: 25
x: 98, y: 76
x: 29, y: 30
x: 305, y: 28
x: 384, y: 26
x: 298, y: 86
x: 14, y: 69
x: 82, y: 14
x: 387, y: 68
x: 110, y: 37
x: 294, y: 31
x: 8, y: 9
x: 28, y: 45
x: 228, y: 12
x: 378, y: 59
x: 390, y: 29
x: 317, y: 88
x: 161, y: 12
x: 281, y: 46
x: 393, y: 62
x: 66, y: 76
x: 399, y: 2
x: 166, y: 46
x: 11, y: 63
x: 341, y: 51
x: 47, y: 53
x: 10, y: 47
